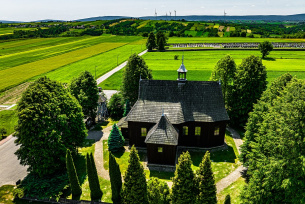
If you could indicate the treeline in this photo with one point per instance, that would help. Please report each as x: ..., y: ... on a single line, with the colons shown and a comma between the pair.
x: 54, y: 31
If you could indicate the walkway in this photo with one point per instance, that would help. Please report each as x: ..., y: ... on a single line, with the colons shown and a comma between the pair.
x: 10, y: 169
x: 220, y: 185
x: 118, y: 68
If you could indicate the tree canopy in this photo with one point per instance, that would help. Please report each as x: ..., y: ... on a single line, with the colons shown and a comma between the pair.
x: 50, y: 121
x: 135, y: 68
x: 248, y: 85
x: 276, y: 158
x: 151, y: 41
x: 116, y: 106
x: 224, y: 71
x: 265, y: 48
x: 84, y: 89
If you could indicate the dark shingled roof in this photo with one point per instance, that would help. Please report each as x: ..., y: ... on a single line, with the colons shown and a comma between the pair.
x: 162, y: 133
x: 199, y: 101
x: 123, y: 123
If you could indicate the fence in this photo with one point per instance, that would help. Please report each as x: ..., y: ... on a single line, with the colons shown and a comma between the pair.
x: 62, y: 200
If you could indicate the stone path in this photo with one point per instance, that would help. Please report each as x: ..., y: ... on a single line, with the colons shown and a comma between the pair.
x: 118, y: 68
x: 10, y: 169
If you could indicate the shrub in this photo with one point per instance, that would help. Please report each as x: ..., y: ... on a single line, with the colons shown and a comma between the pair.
x: 158, y: 191
x: 115, y: 140
x: 176, y: 57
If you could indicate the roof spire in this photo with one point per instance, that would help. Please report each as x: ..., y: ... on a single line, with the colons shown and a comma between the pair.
x: 162, y: 112
x: 182, y: 71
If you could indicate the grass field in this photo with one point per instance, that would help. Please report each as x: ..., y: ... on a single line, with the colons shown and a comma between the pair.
x: 46, y: 59
x: 8, y: 120
x: 201, y: 63
x: 227, y: 40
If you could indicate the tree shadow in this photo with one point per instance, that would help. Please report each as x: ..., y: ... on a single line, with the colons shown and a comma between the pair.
x: 98, y: 126
x: 119, y: 153
x: 269, y: 59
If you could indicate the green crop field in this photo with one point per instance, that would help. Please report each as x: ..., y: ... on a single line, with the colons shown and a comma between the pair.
x: 201, y: 63
x: 23, y: 66
x: 227, y: 40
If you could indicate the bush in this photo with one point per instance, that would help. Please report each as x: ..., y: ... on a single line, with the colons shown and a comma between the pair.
x: 176, y: 57
x: 115, y: 140
x: 158, y: 191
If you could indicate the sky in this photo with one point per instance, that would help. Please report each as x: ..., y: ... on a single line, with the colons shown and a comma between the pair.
x: 31, y: 10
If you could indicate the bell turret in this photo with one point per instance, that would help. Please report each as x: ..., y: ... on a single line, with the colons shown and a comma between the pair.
x: 182, y: 72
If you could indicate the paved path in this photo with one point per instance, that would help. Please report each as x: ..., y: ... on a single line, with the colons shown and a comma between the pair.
x: 109, y: 93
x: 118, y: 68
x: 10, y: 169
x: 232, y: 177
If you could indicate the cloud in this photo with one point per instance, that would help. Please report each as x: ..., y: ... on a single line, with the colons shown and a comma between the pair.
x: 163, y: 6
x: 202, y: 7
x: 253, y: 5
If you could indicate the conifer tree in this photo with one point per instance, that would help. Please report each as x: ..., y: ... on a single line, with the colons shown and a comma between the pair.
x: 115, y: 140
x: 127, y: 108
x: 115, y: 179
x: 205, y: 183
x: 227, y: 199
x: 75, y: 187
x: 158, y: 191
x: 183, y: 181
x: 135, y: 186
x: 95, y: 191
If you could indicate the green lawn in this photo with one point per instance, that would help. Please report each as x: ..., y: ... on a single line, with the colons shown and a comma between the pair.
x: 234, y: 190
x: 8, y: 120
x: 201, y: 63
x: 223, y: 161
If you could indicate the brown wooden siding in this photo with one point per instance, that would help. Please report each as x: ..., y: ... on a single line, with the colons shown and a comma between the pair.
x: 167, y: 157
x: 125, y: 132
x: 134, y: 131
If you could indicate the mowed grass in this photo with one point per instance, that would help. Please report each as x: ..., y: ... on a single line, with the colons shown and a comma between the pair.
x: 15, y: 59
x: 103, y: 62
x: 234, y: 190
x: 16, y: 75
x: 227, y: 40
x: 201, y: 63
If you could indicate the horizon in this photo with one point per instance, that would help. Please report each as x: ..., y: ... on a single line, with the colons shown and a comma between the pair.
x: 33, y: 10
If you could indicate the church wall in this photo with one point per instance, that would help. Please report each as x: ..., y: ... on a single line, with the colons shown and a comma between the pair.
x: 134, y: 132
x: 166, y: 157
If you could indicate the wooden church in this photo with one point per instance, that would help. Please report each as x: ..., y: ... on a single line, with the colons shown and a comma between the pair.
x: 171, y: 113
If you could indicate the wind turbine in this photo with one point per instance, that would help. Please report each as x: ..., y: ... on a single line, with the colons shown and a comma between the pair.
x: 170, y: 15
x: 224, y: 15
x: 156, y: 14
x: 175, y: 14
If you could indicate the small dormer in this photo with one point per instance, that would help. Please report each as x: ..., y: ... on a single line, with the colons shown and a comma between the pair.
x: 182, y: 72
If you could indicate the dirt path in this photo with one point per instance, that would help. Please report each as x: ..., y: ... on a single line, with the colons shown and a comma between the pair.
x: 232, y: 177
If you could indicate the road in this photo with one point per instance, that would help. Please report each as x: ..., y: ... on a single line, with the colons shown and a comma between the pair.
x: 10, y: 169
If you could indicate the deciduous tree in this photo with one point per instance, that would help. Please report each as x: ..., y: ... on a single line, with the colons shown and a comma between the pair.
x: 151, y: 41
x: 225, y: 71
x: 265, y: 48
x: 116, y: 106
x: 50, y: 121
x: 135, y: 186
x: 249, y: 84
x: 135, y: 68
x: 84, y: 89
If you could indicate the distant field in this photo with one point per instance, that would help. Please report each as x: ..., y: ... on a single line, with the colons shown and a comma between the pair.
x: 10, y: 30
x: 200, y: 64
x: 51, y: 54
x: 227, y: 40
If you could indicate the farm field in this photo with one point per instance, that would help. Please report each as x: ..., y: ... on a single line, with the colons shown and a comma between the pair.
x: 227, y: 40
x: 201, y: 63
x: 50, y: 58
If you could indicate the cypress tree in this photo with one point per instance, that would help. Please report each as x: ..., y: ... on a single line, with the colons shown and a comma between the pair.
x: 183, y: 181
x: 135, y: 186
x: 115, y: 179
x: 115, y: 140
x: 206, y: 189
x: 127, y: 108
x: 75, y: 187
x: 227, y: 199
x: 94, y: 185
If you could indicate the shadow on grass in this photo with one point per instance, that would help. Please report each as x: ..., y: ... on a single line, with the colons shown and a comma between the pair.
x: 269, y: 59
x: 98, y: 126
x: 162, y: 174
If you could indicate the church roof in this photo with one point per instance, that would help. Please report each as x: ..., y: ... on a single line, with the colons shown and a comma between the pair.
x: 182, y: 68
x: 199, y: 101
x: 162, y: 133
